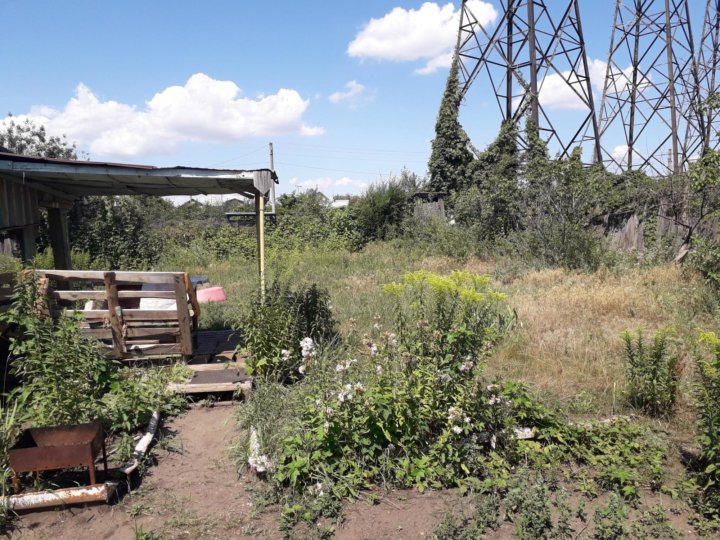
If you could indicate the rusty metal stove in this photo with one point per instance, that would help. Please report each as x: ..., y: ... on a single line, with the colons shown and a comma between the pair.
x: 61, y: 447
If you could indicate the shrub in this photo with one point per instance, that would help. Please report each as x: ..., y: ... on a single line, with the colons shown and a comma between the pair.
x: 406, y: 407
x: 705, y: 259
x: 282, y: 329
x: 708, y: 397
x: 66, y: 379
x: 63, y: 375
x: 381, y: 210
x: 652, y: 373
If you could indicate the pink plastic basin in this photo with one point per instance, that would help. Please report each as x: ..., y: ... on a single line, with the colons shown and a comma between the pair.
x: 211, y: 294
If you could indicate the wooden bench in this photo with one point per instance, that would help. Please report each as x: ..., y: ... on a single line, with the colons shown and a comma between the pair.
x: 116, y: 308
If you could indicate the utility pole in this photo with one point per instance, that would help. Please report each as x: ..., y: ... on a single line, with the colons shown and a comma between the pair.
x: 272, y: 168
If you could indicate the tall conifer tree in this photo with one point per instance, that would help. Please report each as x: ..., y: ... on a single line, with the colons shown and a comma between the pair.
x: 451, y: 156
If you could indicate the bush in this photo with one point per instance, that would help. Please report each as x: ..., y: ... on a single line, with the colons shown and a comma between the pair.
x: 405, y: 407
x: 652, y: 374
x: 708, y: 397
x: 705, y: 259
x: 282, y: 329
x: 381, y: 210
x: 66, y: 379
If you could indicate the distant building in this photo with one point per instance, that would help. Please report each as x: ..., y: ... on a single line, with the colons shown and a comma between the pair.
x: 340, y: 203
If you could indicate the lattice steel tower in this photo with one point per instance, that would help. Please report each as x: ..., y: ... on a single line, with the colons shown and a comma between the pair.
x: 649, y: 110
x: 709, y: 83
x: 532, y: 58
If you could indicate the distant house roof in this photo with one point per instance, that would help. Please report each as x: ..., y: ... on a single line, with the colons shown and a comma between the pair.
x: 340, y: 203
x: 73, y: 178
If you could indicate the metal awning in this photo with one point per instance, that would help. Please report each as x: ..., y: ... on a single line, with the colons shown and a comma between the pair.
x: 74, y: 178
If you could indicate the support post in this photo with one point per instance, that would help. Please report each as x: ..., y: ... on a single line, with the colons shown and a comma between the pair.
x: 59, y: 238
x: 28, y: 243
x: 260, y: 225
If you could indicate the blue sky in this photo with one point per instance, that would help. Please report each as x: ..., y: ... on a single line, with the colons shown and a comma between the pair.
x: 347, y: 90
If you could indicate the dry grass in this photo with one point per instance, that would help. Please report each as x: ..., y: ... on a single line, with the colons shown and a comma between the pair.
x: 568, y: 345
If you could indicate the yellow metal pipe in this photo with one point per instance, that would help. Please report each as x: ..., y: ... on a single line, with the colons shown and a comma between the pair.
x: 260, y: 224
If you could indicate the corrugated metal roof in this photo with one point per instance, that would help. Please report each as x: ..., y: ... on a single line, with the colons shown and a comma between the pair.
x: 75, y: 178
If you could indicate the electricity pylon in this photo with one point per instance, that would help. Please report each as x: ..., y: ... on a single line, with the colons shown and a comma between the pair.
x: 535, y: 61
x: 649, y: 110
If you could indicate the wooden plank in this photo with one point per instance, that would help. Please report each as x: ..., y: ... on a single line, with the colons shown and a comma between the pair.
x: 183, y: 315
x: 218, y: 366
x: 159, y: 331
x: 193, y: 299
x: 120, y: 277
x: 146, y: 294
x: 98, y: 314
x: 163, y: 349
x: 115, y: 312
x: 100, y: 295
x: 206, y: 388
x: 77, y: 295
x: 97, y: 333
x: 169, y: 315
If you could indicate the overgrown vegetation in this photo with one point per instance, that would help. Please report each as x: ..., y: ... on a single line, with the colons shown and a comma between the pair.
x: 652, y: 372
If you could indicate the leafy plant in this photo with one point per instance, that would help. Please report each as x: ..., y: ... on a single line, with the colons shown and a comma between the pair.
x: 282, y: 329
x: 708, y: 397
x: 652, y: 373
x: 610, y: 520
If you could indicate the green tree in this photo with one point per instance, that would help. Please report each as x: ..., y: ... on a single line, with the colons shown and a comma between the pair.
x: 115, y: 232
x: 451, y: 156
x: 493, y: 204
x: 30, y: 139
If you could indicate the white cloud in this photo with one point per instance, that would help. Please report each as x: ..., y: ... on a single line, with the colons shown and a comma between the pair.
x: 330, y: 184
x: 556, y: 93
x: 428, y: 33
x: 202, y: 110
x: 355, y: 95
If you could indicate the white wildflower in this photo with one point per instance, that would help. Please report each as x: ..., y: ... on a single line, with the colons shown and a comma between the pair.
x: 493, y: 441
x: 373, y: 350
x: 308, y: 347
x: 377, y: 327
x: 326, y: 425
x: 340, y: 368
x: 457, y: 430
x: 467, y: 365
x: 467, y: 419
x: 317, y: 490
x: 359, y: 388
x: 302, y: 369
x: 494, y: 400
x: 378, y: 369
x: 258, y: 462
x: 392, y: 339
x: 285, y: 355
x: 493, y: 388
x: 455, y: 415
x: 329, y: 412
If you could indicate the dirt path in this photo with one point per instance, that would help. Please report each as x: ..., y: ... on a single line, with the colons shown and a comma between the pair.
x: 192, y: 492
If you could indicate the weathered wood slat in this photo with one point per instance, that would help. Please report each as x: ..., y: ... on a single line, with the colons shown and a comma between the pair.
x: 218, y: 366
x: 183, y: 315
x: 169, y: 348
x: 77, y: 295
x: 120, y: 277
x: 100, y: 295
x: 207, y: 388
x: 131, y: 332
x: 115, y: 313
x: 130, y: 314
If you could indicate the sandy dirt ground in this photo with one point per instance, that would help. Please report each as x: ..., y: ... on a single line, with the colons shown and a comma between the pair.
x: 193, y: 492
